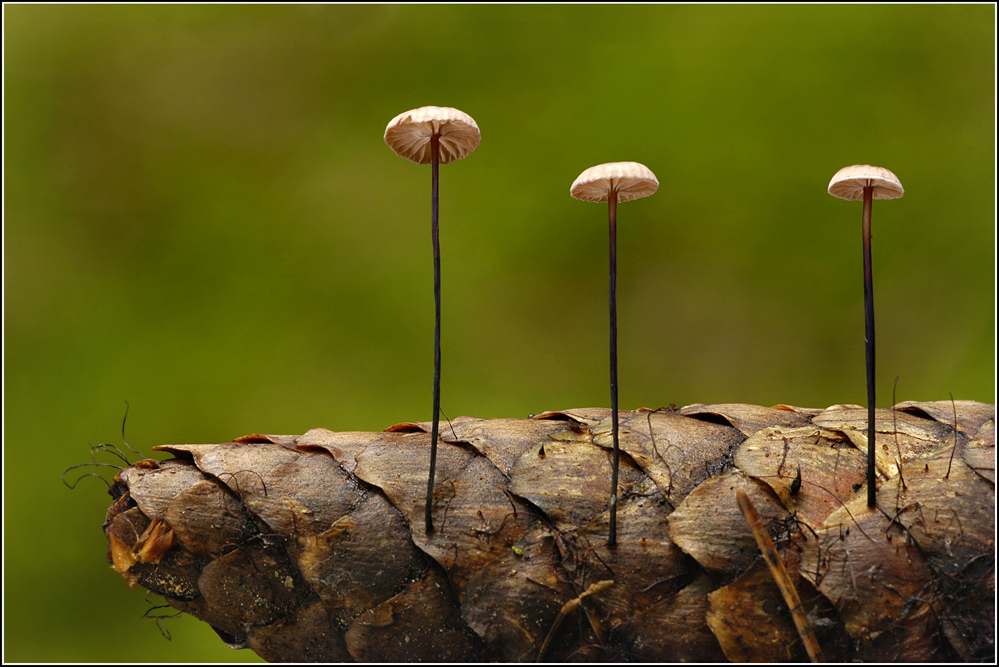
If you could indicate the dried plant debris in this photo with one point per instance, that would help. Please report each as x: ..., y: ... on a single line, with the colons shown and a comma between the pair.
x: 754, y: 624
x: 313, y: 547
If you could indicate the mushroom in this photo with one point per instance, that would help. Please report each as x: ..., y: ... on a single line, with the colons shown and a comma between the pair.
x: 434, y: 135
x: 614, y: 182
x: 867, y: 183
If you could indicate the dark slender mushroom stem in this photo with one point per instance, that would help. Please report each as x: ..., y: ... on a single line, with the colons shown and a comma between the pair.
x: 612, y: 216
x: 434, y: 135
x: 434, y: 214
x: 855, y: 183
x: 872, y: 489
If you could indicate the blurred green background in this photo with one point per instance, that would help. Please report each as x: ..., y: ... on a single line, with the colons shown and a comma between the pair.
x: 201, y: 217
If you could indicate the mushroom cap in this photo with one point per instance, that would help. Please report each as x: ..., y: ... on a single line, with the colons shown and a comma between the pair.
x: 849, y: 183
x: 408, y: 134
x: 631, y: 180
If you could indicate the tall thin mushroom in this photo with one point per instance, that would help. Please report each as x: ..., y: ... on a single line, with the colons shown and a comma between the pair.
x: 614, y: 182
x: 435, y: 136
x: 867, y: 183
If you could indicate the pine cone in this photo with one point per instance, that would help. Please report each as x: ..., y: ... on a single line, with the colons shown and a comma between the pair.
x: 312, y: 547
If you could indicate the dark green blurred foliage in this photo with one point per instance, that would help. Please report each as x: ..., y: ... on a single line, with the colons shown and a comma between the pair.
x: 201, y: 217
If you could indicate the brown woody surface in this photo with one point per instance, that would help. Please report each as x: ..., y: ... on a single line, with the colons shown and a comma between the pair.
x: 312, y: 547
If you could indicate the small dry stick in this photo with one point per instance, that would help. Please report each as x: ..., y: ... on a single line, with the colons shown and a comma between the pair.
x: 781, y: 576
x: 567, y: 609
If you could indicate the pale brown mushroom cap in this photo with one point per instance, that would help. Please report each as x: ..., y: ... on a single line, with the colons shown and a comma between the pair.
x: 631, y: 180
x: 849, y: 183
x: 408, y: 134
